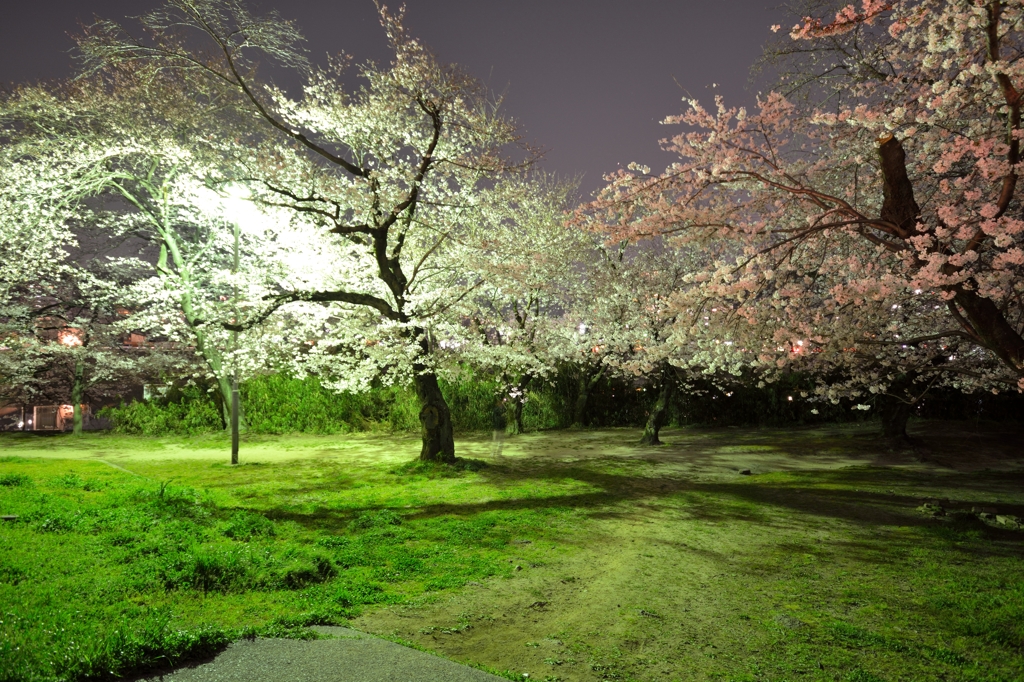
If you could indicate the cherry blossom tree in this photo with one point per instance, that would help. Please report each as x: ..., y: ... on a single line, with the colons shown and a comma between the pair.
x: 633, y: 297
x: 66, y: 344
x: 875, y: 238
x: 110, y: 162
x: 393, y: 173
x: 529, y: 263
x: 60, y: 328
x: 33, y: 241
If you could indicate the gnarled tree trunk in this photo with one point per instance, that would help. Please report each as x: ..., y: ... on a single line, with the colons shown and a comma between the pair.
x: 517, y: 406
x: 990, y: 324
x: 894, y: 413
x: 982, y: 318
x: 435, y: 418
x: 659, y: 413
x: 584, y: 385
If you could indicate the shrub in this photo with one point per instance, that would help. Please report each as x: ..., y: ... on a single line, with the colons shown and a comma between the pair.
x: 210, y: 570
x: 376, y: 519
x: 303, y: 572
x: 277, y: 403
x: 543, y: 410
x: 470, y: 400
x: 245, y: 525
x: 15, y: 480
x: 189, y: 411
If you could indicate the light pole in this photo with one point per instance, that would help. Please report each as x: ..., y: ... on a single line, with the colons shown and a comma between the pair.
x: 234, y: 363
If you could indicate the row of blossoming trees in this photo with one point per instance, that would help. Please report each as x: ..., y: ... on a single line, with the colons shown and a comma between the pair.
x: 866, y: 215
x: 865, y: 232
x: 358, y: 235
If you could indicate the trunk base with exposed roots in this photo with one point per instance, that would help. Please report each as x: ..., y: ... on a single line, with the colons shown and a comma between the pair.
x: 895, y: 415
x: 650, y: 437
x: 659, y: 413
x: 516, y: 427
x: 435, y: 420
x: 585, y: 383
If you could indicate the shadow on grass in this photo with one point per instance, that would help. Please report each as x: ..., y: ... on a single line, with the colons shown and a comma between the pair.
x: 801, y: 497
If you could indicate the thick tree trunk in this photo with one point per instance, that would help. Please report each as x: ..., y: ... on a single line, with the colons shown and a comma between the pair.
x: 981, y: 318
x: 659, y: 413
x: 989, y: 322
x: 435, y: 419
x: 585, y: 384
x: 895, y: 407
x: 895, y: 413
x: 77, y: 391
x: 517, y: 406
x: 898, y: 204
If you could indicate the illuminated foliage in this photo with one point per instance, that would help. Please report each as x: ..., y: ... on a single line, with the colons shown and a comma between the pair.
x: 876, y: 238
x: 396, y: 176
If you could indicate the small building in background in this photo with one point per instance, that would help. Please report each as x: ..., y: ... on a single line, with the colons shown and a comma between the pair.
x: 48, y: 418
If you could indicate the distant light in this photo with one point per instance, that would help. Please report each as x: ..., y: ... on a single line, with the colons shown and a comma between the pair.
x: 69, y: 338
x: 790, y: 397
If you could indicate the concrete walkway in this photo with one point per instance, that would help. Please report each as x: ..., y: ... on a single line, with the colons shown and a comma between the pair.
x: 348, y: 656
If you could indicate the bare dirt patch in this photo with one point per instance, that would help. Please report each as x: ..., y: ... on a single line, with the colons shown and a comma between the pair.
x: 682, y: 568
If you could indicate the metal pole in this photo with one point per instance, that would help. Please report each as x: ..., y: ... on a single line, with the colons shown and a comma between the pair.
x: 234, y: 419
x: 234, y: 378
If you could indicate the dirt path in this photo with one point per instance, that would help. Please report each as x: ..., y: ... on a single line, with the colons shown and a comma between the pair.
x: 666, y: 582
x: 704, y: 452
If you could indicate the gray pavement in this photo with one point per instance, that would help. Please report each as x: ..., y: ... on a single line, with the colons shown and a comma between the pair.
x: 348, y: 656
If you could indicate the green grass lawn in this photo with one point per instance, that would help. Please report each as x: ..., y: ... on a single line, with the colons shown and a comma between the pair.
x: 577, y: 557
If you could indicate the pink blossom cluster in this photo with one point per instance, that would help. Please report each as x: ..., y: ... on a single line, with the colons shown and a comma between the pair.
x: 818, y: 269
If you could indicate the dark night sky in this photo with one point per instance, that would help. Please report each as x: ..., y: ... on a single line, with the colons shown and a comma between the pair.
x: 587, y: 80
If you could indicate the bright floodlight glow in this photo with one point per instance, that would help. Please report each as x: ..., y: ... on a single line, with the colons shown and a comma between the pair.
x: 69, y: 338
x: 233, y: 204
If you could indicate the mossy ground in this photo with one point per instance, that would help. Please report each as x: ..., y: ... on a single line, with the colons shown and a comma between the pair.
x: 577, y: 556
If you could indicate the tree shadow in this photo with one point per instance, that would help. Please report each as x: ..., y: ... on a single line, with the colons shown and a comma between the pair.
x: 805, y: 498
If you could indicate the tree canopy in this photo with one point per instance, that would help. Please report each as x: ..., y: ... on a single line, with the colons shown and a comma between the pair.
x: 872, y: 233
x: 862, y: 225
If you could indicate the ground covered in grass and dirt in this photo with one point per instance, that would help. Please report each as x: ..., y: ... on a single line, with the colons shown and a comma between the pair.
x: 575, y: 556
